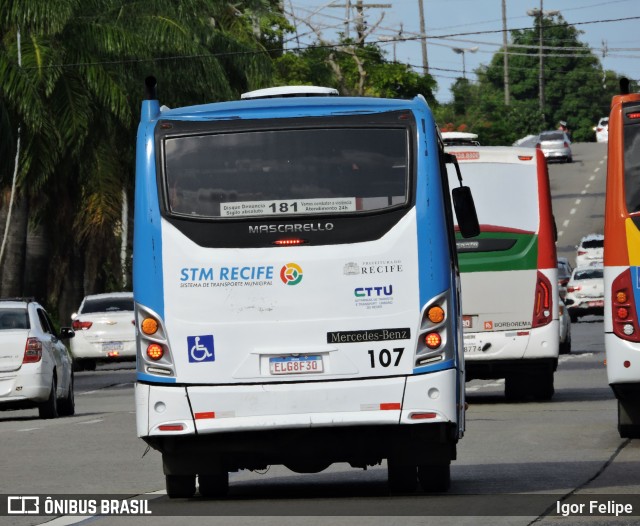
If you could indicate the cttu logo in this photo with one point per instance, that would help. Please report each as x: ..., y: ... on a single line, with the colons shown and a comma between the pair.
x: 291, y: 274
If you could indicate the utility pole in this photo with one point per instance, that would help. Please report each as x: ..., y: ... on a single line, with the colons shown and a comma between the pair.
x: 506, y: 53
x: 361, y: 28
x: 423, y: 39
x: 540, y: 13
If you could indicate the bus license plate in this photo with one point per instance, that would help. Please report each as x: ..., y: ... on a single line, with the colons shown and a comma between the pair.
x: 295, y: 364
x: 472, y: 348
x: 596, y: 303
x: 112, y: 346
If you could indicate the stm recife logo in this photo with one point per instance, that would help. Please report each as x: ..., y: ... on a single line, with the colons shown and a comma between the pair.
x: 291, y: 274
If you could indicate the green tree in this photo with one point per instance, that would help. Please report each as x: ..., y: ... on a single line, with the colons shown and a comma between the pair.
x: 353, y: 70
x: 76, y: 98
x: 577, y: 89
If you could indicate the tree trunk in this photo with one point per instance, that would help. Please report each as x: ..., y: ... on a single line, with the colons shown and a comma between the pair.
x: 12, y: 266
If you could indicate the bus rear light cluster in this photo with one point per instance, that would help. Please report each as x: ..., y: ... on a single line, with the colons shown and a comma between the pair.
x: 435, y: 332
x: 625, y: 318
x: 542, y: 314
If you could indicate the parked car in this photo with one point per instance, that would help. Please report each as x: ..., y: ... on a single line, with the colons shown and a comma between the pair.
x: 565, y: 329
x: 105, y: 330
x: 556, y: 146
x: 590, y: 250
x: 585, y: 292
x: 36, y: 369
x: 564, y: 275
x: 602, y: 130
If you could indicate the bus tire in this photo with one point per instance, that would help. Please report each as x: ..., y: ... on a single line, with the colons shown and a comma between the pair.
x: 213, y: 485
x: 542, y: 386
x: 515, y: 387
x: 573, y: 317
x: 435, y: 478
x: 180, y: 486
x: 402, y: 478
x: 565, y: 346
x: 628, y: 419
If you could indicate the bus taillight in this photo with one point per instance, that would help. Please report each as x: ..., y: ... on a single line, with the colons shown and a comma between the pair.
x: 542, y: 314
x: 432, y: 340
x: 625, y: 319
x: 155, y: 351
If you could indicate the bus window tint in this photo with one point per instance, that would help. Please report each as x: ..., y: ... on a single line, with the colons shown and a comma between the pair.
x: 277, y: 172
x: 632, y: 166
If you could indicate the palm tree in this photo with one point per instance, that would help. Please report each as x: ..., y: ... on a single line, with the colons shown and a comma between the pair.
x: 77, y: 95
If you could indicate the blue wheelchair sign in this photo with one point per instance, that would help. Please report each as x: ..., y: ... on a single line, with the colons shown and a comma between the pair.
x: 201, y: 348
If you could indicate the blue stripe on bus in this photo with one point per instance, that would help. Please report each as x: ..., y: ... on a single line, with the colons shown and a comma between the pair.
x: 635, y: 283
x: 433, y: 245
x: 147, y: 241
x: 143, y: 377
x: 441, y: 366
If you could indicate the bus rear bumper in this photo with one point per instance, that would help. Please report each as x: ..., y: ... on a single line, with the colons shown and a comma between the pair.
x: 188, y: 424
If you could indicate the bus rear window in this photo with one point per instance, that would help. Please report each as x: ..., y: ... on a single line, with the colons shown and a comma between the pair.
x: 632, y: 166
x: 284, y: 172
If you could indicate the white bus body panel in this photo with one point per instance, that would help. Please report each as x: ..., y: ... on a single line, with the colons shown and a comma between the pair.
x: 501, y: 307
x: 251, y: 320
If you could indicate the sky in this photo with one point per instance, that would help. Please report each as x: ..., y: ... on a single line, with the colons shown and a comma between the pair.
x: 448, y: 18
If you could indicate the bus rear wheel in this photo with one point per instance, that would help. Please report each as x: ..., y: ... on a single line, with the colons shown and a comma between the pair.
x: 628, y: 419
x: 402, y: 478
x: 435, y: 478
x: 214, y: 485
x: 180, y: 486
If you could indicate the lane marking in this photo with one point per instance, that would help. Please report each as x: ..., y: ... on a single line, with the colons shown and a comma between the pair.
x: 592, y: 178
x: 578, y: 201
x: 28, y: 429
x: 560, y: 233
x: 583, y: 192
x: 97, y: 420
x: 572, y: 211
x: 587, y: 185
x: 602, y: 162
x: 597, y: 170
x: 565, y: 223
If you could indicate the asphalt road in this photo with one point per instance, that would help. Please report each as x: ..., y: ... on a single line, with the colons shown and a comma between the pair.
x: 516, y: 462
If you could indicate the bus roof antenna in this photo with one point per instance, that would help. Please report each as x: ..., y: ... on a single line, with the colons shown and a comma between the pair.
x: 150, y: 88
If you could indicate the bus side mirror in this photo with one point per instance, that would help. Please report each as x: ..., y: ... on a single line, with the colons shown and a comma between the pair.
x: 465, y: 210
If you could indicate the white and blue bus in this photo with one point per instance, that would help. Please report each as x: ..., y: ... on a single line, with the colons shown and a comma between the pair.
x: 297, y: 289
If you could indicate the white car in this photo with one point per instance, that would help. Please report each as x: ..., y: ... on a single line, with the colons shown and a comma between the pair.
x: 36, y: 369
x: 105, y: 330
x: 602, y: 130
x: 590, y: 251
x: 585, y: 292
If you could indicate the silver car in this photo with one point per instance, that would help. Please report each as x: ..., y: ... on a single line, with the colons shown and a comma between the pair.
x: 556, y: 146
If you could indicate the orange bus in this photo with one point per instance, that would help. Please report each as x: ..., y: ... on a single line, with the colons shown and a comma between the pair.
x: 622, y: 260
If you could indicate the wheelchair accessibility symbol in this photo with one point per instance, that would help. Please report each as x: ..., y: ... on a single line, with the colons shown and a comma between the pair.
x: 201, y: 348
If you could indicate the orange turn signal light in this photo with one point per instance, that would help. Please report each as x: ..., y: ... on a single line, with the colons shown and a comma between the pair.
x: 149, y: 326
x: 435, y: 314
x: 621, y: 297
